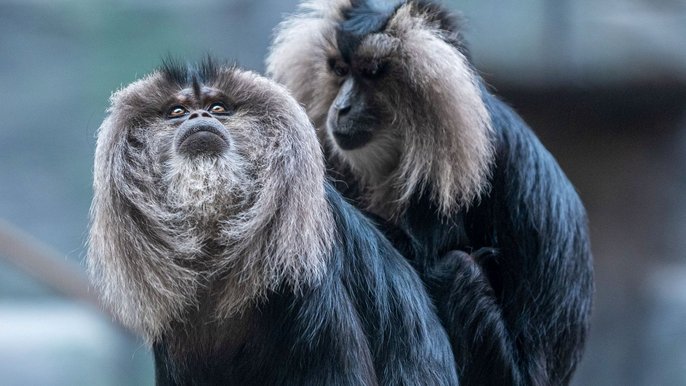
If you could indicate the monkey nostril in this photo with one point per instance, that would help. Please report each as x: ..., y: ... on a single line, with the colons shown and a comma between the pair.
x: 343, y: 110
x: 198, y: 114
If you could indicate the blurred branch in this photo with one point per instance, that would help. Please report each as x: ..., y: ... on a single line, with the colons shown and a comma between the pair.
x: 46, y: 265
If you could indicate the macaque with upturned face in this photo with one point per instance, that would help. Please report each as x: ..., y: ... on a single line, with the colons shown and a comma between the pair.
x: 216, y: 236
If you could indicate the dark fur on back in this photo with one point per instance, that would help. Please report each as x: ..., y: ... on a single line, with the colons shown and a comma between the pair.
x: 460, y: 172
x: 244, y: 267
x: 528, y: 300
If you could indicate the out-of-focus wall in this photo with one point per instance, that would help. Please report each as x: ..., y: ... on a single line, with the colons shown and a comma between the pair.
x: 562, y: 42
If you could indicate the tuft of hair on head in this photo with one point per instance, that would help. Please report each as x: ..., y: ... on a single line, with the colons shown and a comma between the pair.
x: 185, y: 73
x: 173, y: 70
x: 361, y: 18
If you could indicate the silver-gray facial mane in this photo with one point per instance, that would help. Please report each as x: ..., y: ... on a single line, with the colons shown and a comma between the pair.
x: 189, y: 191
x: 379, y: 83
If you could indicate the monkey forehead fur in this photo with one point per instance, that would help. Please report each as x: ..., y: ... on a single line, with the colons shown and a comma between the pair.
x: 164, y: 226
x: 430, y: 88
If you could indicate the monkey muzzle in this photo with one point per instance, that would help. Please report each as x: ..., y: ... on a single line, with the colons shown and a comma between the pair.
x: 202, y: 136
x: 348, y: 138
x: 348, y: 131
x: 346, y: 117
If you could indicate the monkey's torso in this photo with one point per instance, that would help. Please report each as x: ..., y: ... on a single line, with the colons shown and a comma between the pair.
x: 369, y: 322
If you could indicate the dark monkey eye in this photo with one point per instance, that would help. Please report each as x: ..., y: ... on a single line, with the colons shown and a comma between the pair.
x: 218, y: 108
x: 338, y: 68
x: 176, y: 111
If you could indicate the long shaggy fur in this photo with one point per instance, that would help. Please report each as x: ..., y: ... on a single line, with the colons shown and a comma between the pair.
x: 152, y: 210
x: 244, y: 266
x: 440, y: 76
x: 450, y: 168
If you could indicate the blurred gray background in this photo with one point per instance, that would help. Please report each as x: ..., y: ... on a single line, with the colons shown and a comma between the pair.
x: 602, y: 82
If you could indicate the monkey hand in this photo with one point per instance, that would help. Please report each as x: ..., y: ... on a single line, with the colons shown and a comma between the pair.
x: 464, y: 297
x: 460, y: 267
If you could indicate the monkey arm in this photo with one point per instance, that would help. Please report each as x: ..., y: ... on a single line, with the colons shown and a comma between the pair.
x: 480, y: 339
x: 519, y: 318
x: 544, y: 277
x: 411, y: 346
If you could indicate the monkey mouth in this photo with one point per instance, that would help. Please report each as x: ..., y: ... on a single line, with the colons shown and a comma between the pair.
x: 348, y: 133
x: 202, y: 139
x: 351, y: 140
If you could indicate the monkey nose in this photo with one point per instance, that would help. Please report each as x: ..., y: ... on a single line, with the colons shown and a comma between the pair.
x: 343, y: 110
x: 199, y: 113
x: 201, y: 136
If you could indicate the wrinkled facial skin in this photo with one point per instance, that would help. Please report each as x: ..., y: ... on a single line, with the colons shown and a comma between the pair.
x: 366, y: 118
x: 200, y: 118
x: 190, y: 145
x: 193, y: 128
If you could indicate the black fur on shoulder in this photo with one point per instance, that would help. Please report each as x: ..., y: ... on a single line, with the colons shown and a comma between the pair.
x: 517, y: 308
x: 368, y: 322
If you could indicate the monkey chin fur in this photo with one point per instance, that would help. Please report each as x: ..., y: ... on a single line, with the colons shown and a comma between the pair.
x: 202, y: 190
